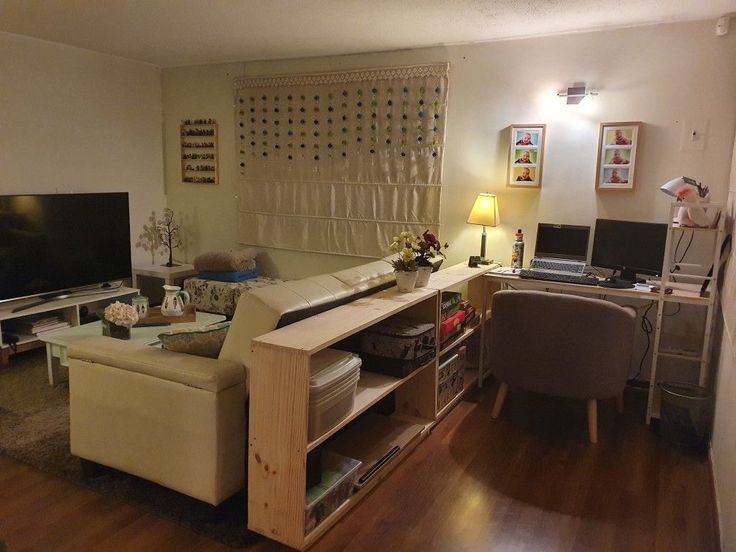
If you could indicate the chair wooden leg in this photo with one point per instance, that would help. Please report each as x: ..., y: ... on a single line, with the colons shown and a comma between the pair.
x: 593, y: 420
x: 500, y: 398
x: 620, y: 402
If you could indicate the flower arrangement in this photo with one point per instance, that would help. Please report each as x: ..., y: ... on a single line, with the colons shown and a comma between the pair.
x: 429, y: 248
x: 121, y: 314
x: 407, y: 246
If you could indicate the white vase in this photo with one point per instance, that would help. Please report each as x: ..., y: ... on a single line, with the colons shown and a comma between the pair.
x: 423, y: 274
x: 174, y: 301
x: 405, y: 281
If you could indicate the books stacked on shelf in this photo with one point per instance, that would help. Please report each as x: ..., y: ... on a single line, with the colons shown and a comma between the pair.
x: 41, y: 325
x: 457, y: 315
x: 452, y: 316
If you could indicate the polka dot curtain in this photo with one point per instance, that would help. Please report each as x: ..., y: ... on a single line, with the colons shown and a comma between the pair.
x: 340, y: 162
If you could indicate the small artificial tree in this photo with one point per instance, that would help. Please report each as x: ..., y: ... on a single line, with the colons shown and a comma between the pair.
x: 169, y: 233
x: 148, y: 239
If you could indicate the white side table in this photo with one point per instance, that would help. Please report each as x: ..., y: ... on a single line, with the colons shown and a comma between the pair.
x: 170, y: 276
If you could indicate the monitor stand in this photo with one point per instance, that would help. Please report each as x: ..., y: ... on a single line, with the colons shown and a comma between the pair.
x: 64, y: 294
x: 615, y: 283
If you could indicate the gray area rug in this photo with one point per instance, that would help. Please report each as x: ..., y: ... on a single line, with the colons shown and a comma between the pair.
x: 34, y: 429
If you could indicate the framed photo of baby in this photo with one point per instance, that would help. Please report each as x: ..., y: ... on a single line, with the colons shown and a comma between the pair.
x: 526, y: 154
x: 617, y: 144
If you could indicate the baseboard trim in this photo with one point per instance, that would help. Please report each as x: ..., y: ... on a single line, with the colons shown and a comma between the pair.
x: 714, y: 492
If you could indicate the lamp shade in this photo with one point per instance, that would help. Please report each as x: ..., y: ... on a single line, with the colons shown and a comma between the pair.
x: 485, y: 210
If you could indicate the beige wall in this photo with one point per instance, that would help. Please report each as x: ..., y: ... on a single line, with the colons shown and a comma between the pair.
x: 661, y: 75
x: 723, y: 444
x: 72, y: 120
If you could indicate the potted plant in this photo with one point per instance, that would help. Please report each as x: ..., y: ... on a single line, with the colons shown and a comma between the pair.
x: 118, y: 319
x: 429, y: 248
x: 405, y: 265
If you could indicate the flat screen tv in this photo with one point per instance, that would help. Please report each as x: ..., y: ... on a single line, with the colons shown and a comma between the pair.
x: 50, y: 244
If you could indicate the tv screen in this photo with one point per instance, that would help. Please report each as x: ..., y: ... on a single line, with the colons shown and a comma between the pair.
x: 55, y: 242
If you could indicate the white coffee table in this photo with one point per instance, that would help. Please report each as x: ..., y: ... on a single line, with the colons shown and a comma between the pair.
x: 57, y: 342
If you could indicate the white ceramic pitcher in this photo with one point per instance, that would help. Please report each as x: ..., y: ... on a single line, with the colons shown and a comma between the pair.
x: 174, y: 301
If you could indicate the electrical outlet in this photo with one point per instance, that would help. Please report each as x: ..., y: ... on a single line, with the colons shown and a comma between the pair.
x: 693, y: 135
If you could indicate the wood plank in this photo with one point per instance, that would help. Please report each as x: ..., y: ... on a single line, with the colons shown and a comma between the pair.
x: 277, y: 443
x: 322, y: 330
x: 372, y: 387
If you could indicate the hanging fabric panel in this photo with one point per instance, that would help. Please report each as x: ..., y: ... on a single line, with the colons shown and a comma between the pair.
x: 340, y: 162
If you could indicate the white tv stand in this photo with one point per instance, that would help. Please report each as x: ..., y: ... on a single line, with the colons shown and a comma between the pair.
x: 67, y: 308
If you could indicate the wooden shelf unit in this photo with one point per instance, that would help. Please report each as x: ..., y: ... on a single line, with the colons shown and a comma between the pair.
x: 279, y: 398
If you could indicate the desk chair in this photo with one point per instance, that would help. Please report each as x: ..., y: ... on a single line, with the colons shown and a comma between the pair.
x: 561, y: 345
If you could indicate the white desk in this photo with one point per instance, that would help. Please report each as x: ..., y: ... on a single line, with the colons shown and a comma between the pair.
x: 57, y: 342
x: 681, y: 293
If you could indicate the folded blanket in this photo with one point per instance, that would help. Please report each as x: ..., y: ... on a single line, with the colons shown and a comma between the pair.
x: 241, y: 276
x: 226, y: 261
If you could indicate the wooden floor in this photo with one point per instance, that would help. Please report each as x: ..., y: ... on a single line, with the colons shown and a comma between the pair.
x: 528, y: 481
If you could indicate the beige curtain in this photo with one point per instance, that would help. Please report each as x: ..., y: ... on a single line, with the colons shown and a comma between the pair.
x: 340, y: 162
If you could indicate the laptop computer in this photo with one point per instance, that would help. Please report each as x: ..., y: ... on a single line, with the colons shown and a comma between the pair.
x: 561, y: 249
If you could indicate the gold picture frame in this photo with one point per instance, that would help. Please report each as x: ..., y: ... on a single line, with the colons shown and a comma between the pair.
x: 617, y: 159
x: 526, y: 156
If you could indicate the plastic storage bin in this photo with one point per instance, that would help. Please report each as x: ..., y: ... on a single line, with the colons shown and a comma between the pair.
x: 332, y: 386
x: 338, y: 478
x: 684, y: 417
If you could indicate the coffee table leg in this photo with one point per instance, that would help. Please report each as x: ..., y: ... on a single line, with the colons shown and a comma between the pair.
x: 53, y: 362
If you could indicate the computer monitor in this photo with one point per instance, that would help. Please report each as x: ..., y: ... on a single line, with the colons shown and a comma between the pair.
x: 630, y: 247
x: 562, y: 241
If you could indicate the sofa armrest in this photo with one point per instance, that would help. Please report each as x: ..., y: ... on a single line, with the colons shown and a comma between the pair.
x: 200, y: 372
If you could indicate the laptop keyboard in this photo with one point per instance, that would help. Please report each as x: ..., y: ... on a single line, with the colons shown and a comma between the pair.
x: 533, y: 274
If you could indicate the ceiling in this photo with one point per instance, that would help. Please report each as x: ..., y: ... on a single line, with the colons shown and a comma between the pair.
x: 170, y: 33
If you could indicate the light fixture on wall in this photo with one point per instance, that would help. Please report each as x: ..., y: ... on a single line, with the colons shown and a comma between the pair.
x: 576, y: 94
x: 484, y: 213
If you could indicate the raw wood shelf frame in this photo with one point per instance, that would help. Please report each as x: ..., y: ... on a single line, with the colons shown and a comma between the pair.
x: 279, y: 398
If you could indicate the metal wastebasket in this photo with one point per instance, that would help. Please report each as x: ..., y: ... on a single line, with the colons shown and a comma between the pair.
x: 684, y: 417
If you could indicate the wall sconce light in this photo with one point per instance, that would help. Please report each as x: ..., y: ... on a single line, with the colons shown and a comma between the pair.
x: 576, y: 94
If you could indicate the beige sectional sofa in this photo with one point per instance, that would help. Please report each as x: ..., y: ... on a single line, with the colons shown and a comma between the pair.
x: 180, y: 420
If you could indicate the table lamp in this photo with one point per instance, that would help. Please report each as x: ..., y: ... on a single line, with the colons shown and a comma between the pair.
x: 484, y: 213
x: 690, y: 193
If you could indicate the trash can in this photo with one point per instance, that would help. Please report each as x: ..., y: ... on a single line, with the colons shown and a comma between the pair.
x: 684, y: 417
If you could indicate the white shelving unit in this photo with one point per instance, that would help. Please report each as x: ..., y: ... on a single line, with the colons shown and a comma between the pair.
x: 67, y: 309
x: 691, y: 283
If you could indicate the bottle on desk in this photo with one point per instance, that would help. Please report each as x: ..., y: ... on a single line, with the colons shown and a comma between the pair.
x: 517, y: 250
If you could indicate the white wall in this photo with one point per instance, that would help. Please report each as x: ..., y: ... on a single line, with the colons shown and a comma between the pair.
x: 661, y: 75
x: 72, y: 120
x: 723, y: 444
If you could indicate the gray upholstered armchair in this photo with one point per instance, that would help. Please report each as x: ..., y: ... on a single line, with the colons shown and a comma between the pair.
x: 561, y: 345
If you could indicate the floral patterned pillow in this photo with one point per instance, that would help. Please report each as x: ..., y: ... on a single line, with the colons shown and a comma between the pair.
x: 205, y: 342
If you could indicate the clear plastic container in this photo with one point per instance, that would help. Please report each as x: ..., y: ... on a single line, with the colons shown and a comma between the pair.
x: 329, y: 368
x: 328, y: 410
x: 338, y: 478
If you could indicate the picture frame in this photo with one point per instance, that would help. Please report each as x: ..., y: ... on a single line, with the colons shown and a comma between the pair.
x: 526, y: 156
x: 617, y: 159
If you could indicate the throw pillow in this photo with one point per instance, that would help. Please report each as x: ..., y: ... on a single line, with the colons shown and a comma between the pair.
x: 205, y: 342
x: 226, y: 261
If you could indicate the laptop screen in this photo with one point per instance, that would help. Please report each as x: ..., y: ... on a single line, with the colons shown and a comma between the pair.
x: 562, y: 241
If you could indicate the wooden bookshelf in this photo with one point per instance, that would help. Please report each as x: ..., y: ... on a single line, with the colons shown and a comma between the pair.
x: 278, y: 441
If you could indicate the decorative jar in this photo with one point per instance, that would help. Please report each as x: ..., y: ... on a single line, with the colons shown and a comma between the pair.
x: 423, y: 274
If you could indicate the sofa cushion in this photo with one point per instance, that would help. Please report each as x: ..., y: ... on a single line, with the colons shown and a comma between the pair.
x: 226, y: 261
x: 367, y: 276
x: 205, y: 342
x: 202, y: 373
